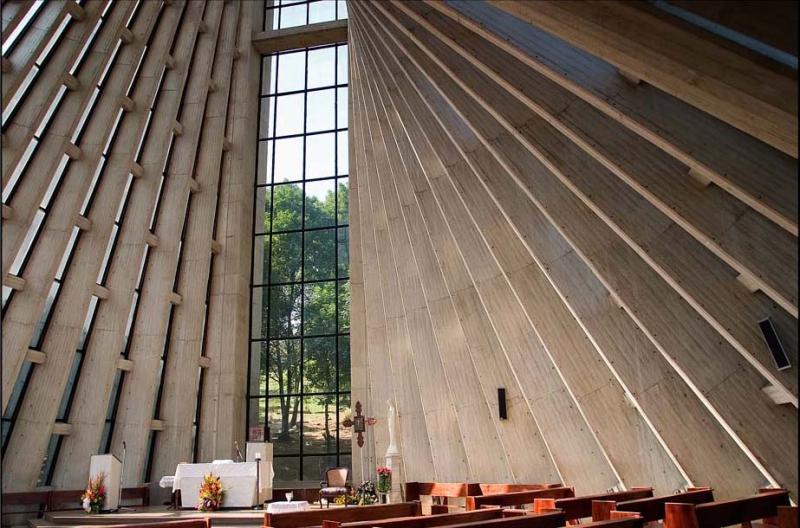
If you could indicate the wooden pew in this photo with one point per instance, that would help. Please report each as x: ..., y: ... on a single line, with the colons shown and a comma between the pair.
x: 494, y: 489
x: 345, y: 515
x: 518, y: 498
x: 728, y: 512
x: 541, y: 520
x: 39, y: 500
x: 580, y: 507
x: 787, y: 516
x: 424, y: 521
x: 650, y: 508
x: 440, y: 492
x: 554, y: 519
x: 187, y: 523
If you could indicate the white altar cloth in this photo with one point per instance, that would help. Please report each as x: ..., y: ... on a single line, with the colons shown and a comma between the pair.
x: 283, y: 506
x: 238, y: 480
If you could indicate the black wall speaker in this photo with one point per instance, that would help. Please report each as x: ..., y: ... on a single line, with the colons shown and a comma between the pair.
x: 501, y: 404
x: 774, y: 343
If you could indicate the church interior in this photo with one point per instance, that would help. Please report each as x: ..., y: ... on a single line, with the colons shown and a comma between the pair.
x: 399, y: 263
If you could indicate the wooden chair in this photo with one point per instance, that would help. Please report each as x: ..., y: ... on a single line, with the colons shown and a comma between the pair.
x: 334, y: 485
x: 579, y: 507
x: 361, y: 513
x: 650, y: 508
x: 729, y: 512
x: 517, y: 499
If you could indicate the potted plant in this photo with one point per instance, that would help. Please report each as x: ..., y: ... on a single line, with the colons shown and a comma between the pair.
x: 384, y: 483
x: 94, y: 497
x: 211, y: 493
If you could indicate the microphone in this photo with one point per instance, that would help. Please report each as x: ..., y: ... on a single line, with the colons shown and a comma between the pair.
x: 238, y: 453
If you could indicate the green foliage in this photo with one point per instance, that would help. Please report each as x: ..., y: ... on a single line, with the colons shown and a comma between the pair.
x: 292, y: 257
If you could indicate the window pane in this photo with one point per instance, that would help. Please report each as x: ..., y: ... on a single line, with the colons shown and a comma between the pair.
x: 284, y: 367
x: 266, y: 125
x: 268, y: 71
x: 291, y: 70
x: 319, y: 203
x: 322, y: 67
x: 286, y: 258
x: 321, y: 110
x: 343, y: 153
x: 345, y: 433
x: 287, y: 469
x: 289, y: 115
x: 319, y: 370
x: 320, y: 261
x: 344, y: 306
x: 258, y: 369
x: 314, y: 467
x: 264, y: 173
x: 341, y: 107
x: 343, y: 252
x: 319, y: 425
x: 260, y: 314
x: 263, y: 209
x: 261, y: 259
x: 343, y: 198
x: 287, y: 207
x: 320, y: 161
x: 344, y: 363
x: 294, y: 16
x: 341, y: 62
x: 322, y: 11
x: 284, y: 313
x: 288, y: 160
x: 284, y: 425
x: 320, y: 308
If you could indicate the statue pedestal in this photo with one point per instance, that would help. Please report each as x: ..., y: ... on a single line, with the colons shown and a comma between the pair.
x: 394, y: 463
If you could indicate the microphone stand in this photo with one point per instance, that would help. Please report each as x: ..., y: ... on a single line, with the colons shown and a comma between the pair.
x: 238, y: 453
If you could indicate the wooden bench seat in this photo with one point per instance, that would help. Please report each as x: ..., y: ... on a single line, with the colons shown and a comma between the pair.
x: 650, y: 508
x: 518, y: 498
x: 542, y: 520
x: 344, y: 515
x: 187, y: 523
x: 717, y: 514
x: 580, y: 507
x: 424, y: 521
x: 494, y: 489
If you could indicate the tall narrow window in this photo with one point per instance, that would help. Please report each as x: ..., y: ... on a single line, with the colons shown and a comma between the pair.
x: 299, y: 356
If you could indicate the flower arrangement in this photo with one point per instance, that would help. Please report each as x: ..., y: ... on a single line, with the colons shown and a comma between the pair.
x: 366, y: 493
x: 211, y: 493
x: 384, y: 479
x: 95, y: 495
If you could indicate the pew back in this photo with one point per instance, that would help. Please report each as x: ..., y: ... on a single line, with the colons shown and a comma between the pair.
x: 424, y: 521
x: 543, y: 520
x: 518, y: 498
x: 494, y: 489
x: 347, y: 514
x: 415, y: 490
x: 187, y: 523
x: 724, y: 513
x: 579, y: 507
x: 650, y: 508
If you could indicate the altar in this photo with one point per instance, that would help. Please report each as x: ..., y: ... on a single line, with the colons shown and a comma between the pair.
x: 239, y: 479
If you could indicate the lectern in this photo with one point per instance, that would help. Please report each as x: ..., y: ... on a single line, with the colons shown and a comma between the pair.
x: 111, y: 467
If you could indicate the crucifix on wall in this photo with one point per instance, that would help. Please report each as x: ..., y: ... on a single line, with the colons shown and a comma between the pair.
x: 359, y: 423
